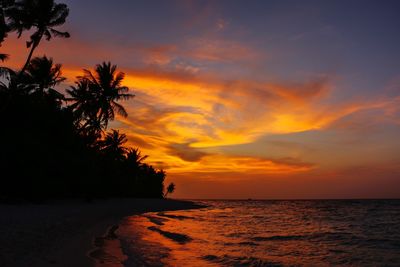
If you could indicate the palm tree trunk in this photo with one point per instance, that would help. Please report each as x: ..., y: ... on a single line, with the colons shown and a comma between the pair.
x: 34, y: 45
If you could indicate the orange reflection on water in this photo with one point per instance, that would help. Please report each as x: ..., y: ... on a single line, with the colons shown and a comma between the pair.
x: 265, y: 233
x: 183, y: 238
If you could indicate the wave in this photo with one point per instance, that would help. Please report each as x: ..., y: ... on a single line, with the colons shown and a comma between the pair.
x: 243, y: 243
x: 179, y: 217
x: 247, y: 243
x: 156, y: 220
x: 325, y: 236
x: 179, y: 238
x: 282, y: 234
x: 230, y: 260
x: 278, y: 237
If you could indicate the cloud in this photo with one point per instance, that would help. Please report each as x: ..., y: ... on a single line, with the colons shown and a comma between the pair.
x: 361, y: 118
x: 190, y: 115
x: 187, y: 120
x: 136, y: 140
x: 221, y: 24
x: 219, y: 50
x: 158, y: 55
x: 220, y: 163
x: 185, y: 152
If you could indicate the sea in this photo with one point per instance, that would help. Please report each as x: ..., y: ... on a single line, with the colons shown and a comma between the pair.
x: 261, y: 233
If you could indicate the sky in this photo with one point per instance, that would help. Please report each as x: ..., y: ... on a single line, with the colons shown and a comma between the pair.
x: 250, y: 99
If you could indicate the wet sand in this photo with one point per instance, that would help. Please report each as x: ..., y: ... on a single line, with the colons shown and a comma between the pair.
x: 62, y: 233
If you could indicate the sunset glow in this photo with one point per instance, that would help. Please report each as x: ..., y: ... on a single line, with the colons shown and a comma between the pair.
x: 288, y: 101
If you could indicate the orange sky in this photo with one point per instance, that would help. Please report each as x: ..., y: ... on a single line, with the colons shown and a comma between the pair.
x: 208, y: 112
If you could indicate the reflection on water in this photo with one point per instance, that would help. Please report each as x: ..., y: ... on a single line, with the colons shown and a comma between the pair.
x: 107, y: 251
x: 266, y: 233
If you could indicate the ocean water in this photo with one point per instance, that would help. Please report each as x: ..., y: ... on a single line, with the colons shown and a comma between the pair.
x: 264, y: 233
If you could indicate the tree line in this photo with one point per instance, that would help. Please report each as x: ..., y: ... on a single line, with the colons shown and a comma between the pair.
x: 59, y: 145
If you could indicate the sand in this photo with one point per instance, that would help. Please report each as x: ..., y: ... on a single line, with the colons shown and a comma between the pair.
x: 62, y: 233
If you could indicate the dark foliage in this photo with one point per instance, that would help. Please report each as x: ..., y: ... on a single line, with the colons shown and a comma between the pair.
x: 41, y: 15
x: 53, y: 145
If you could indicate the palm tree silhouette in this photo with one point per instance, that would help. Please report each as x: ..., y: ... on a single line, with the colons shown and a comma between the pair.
x: 95, y: 97
x: 44, y: 132
x: 3, y: 33
x: 44, y: 76
x: 3, y: 30
x: 135, y: 158
x: 112, y: 145
x: 84, y: 108
x: 44, y: 15
x: 106, y: 85
x: 170, y: 189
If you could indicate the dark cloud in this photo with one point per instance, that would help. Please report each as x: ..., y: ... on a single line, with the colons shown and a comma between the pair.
x: 185, y: 152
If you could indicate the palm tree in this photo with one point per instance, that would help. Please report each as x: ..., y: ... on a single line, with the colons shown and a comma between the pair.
x: 106, y: 86
x: 112, y: 145
x: 43, y: 15
x: 95, y: 97
x: 135, y: 158
x: 170, y: 189
x: 84, y: 108
x: 44, y: 75
x: 4, y: 29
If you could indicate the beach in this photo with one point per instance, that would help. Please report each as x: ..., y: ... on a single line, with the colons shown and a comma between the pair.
x: 62, y: 233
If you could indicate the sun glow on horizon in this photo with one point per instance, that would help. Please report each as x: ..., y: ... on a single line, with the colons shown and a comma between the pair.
x: 218, y: 97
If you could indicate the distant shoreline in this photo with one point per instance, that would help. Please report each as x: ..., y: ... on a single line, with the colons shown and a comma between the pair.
x: 62, y: 234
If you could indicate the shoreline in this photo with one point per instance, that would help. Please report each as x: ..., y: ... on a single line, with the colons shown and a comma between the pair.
x: 64, y: 234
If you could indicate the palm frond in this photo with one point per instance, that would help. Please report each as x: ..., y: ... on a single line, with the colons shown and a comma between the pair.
x: 125, y: 96
x: 90, y: 77
x: 119, y: 109
x: 59, y: 14
x: 118, y: 79
x: 47, y: 35
x: 60, y: 34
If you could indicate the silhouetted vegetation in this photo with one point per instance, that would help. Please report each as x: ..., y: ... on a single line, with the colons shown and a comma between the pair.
x: 170, y: 189
x: 56, y: 145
